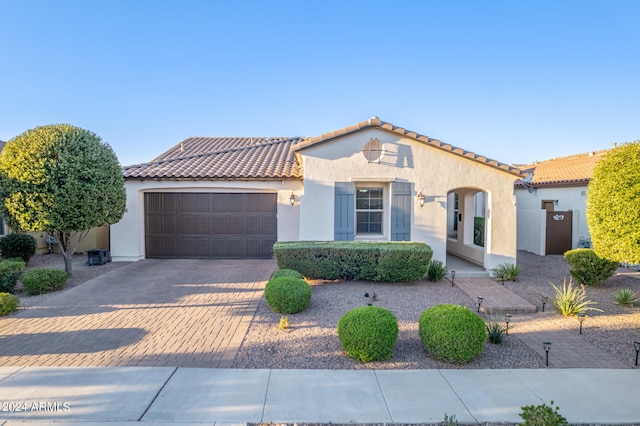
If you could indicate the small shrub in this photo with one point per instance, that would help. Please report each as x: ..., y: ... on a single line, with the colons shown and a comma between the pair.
x: 496, y: 330
x: 284, y: 323
x: 450, y: 420
x: 452, y: 333
x: 18, y: 245
x: 542, y: 415
x: 436, y: 271
x: 587, y: 268
x: 287, y: 295
x: 508, y: 271
x: 8, y: 303
x: 10, y: 271
x: 40, y: 281
x: 570, y: 300
x: 368, y: 333
x: 625, y: 297
x: 286, y: 273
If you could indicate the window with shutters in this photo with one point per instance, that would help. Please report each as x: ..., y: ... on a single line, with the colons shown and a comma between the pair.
x: 369, y: 210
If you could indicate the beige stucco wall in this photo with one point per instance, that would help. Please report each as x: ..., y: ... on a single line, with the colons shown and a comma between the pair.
x: 569, y: 198
x: 432, y: 171
x: 127, y: 236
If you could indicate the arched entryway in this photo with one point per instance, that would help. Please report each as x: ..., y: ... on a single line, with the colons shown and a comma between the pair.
x: 467, y: 224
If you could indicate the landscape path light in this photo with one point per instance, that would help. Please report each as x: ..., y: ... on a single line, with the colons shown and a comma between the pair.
x: 636, y: 346
x: 581, y: 317
x: 546, y: 346
x: 507, y: 318
x: 544, y: 302
x: 453, y: 277
x: 480, y: 299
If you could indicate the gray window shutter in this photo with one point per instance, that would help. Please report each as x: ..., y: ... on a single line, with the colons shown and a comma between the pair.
x: 343, y: 224
x: 400, y: 211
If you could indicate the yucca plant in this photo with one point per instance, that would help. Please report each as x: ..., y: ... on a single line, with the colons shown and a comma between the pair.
x: 508, y: 271
x: 437, y: 271
x: 571, y: 300
x: 496, y: 331
x: 625, y: 297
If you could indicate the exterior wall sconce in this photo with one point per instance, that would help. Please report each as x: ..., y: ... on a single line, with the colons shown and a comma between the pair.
x: 420, y: 199
x: 292, y: 199
x: 555, y: 202
x: 546, y: 346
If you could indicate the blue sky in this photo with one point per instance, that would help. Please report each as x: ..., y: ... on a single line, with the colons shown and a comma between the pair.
x: 513, y: 80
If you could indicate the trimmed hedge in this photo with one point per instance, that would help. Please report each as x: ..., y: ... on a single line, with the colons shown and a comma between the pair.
x: 368, y: 333
x: 18, y: 245
x: 8, y: 303
x: 587, y: 268
x: 355, y: 260
x: 452, y: 333
x: 46, y: 280
x: 287, y: 295
x: 286, y: 273
x: 10, y: 271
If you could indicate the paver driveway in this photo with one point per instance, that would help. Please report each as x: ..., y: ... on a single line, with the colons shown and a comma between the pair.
x: 184, y: 313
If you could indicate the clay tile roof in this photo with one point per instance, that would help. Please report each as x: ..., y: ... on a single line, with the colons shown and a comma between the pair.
x: 570, y: 170
x: 375, y: 122
x: 222, y: 158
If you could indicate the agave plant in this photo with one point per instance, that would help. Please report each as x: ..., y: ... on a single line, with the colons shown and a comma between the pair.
x: 508, y: 271
x: 571, y: 300
x: 625, y: 297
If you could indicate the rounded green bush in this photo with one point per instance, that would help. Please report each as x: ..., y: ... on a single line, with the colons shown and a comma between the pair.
x: 368, y: 333
x: 18, y: 245
x: 39, y: 281
x: 10, y: 271
x: 286, y: 273
x: 8, y: 303
x: 287, y: 295
x: 452, y: 333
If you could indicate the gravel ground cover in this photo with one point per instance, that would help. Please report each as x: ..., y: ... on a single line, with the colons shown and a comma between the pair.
x: 312, y: 343
x: 80, y: 270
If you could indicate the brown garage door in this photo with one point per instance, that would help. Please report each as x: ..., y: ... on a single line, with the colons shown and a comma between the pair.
x: 209, y: 225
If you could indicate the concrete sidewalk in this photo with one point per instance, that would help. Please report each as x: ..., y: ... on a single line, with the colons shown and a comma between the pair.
x: 122, y: 395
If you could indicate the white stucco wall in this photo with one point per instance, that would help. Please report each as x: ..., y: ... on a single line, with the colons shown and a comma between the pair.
x: 127, y: 236
x: 432, y: 171
x: 569, y: 198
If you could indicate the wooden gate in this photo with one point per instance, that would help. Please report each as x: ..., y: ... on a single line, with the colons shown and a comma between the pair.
x: 559, y: 232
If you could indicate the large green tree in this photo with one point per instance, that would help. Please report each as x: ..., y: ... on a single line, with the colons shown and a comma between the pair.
x: 613, y: 205
x: 62, y: 180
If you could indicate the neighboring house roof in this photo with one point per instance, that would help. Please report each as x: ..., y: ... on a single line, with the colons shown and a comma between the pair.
x: 222, y: 158
x: 572, y: 170
x: 266, y: 158
x: 375, y: 122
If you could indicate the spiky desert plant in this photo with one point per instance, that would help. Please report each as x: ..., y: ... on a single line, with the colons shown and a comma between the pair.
x: 571, y: 300
x: 625, y: 297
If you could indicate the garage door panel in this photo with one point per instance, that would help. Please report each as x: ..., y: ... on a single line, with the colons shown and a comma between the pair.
x: 169, y: 225
x: 235, y: 247
x: 193, y: 247
x: 194, y: 225
x: 235, y: 226
x: 236, y: 202
x: 210, y: 225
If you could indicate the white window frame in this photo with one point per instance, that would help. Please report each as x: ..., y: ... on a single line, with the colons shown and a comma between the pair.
x: 385, y: 212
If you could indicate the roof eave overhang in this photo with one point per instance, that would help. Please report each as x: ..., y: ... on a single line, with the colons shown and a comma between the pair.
x: 378, y: 124
x: 557, y: 184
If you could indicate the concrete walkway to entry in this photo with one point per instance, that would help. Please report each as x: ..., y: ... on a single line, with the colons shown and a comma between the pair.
x: 184, y: 313
x: 189, y: 396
